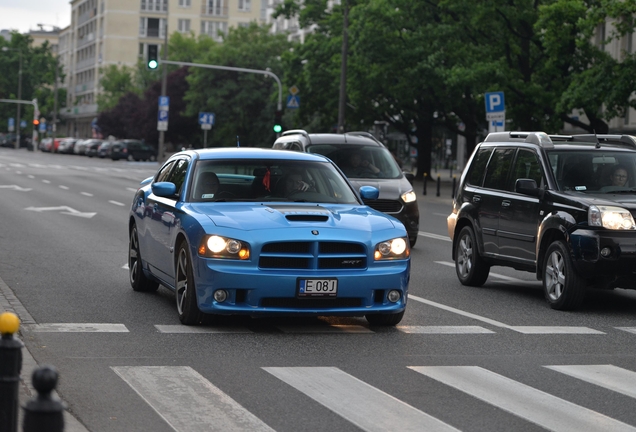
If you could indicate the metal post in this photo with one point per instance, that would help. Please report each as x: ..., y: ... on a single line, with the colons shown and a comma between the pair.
x: 425, y: 181
x: 57, y: 68
x: 454, y: 186
x: 46, y: 411
x: 439, y: 184
x: 164, y: 84
x: 10, y: 366
x: 205, y: 138
x: 17, y: 134
x: 343, y: 69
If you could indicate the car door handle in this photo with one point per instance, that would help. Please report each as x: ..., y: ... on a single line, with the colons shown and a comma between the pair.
x: 505, y: 203
x: 476, y: 199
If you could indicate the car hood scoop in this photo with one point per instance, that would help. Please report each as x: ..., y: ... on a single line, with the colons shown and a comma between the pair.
x: 273, y: 216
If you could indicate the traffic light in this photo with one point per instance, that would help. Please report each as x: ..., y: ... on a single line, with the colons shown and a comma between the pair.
x: 153, y: 57
x: 36, y: 122
x: 278, y: 121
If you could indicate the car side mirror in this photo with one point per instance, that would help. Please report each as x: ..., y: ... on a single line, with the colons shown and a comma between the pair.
x: 527, y: 187
x: 369, y: 192
x: 409, y: 176
x: 164, y: 189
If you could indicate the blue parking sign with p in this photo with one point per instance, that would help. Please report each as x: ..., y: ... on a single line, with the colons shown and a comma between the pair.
x: 495, y: 102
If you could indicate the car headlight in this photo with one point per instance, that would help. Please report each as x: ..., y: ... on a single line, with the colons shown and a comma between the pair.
x: 408, y: 197
x: 214, y: 246
x: 397, y: 248
x: 616, y: 218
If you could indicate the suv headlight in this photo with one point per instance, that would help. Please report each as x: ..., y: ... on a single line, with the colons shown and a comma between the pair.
x: 214, y: 246
x: 397, y: 248
x: 408, y: 197
x: 610, y: 217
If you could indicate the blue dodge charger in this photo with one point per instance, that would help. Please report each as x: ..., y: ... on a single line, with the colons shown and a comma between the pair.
x: 266, y: 232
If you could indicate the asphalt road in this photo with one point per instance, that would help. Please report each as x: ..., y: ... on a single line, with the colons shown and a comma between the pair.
x: 494, y: 358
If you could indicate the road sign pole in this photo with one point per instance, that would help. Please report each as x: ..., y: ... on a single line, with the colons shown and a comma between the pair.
x: 205, y: 138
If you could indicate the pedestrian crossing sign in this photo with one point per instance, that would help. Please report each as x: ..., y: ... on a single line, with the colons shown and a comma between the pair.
x: 293, y: 101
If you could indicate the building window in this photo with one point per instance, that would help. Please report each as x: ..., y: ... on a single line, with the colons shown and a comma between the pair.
x: 184, y: 3
x: 154, y: 5
x: 184, y: 25
x: 152, y: 27
x: 214, y: 29
x: 244, y: 5
x: 214, y: 7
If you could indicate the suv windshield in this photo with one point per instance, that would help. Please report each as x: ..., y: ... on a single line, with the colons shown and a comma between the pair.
x: 360, y: 161
x: 594, y: 170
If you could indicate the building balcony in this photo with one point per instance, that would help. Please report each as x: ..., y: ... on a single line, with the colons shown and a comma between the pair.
x: 86, y: 16
x: 214, y: 11
x: 79, y: 111
x: 84, y: 88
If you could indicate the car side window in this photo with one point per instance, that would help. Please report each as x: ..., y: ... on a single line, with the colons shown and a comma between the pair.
x: 177, y: 175
x: 527, y: 166
x: 499, y: 168
x: 478, y: 167
x: 162, y: 175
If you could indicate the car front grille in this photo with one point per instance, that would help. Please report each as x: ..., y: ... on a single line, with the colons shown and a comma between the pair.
x: 385, y: 205
x: 310, y: 303
x: 313, y: 255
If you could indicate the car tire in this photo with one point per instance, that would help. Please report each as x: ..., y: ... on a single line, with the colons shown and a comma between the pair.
x: 138, y: 279
x: 185, y: 290
x: 412, y: 241
x: 471, y: 269
x: 384, y: 319
x: 563, y: 287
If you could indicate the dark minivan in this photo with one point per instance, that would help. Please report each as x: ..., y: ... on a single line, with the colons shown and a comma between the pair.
x: 131, y: 149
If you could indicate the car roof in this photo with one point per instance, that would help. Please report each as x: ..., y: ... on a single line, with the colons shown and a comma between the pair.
x: 572, y: 142
x: 252, y: 153
x: 349, y: 138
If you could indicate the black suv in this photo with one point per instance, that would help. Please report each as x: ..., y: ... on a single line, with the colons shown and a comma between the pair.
x: 131, y: 149
x: 366, y: 162
x: 562, y: 207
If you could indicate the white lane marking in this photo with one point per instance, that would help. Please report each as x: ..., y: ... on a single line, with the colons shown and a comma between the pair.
x: 63, y: 187
x: 18, y: 172
x: 187, y: 401
x: 534, y: 405
x: 627, y: 329
x: 87, y: 194
x: 67, y: 211
x: 117, y: 203
x: 190, y: 329
x: 31, y: 176
x: 497, y: 275
x: 125, y: 266
x: 325, y: 329
x: 519, y: 329
x: 444, y: 329
x: 78, y: 328
x: 15, y: 188
x: 441, y: 214
x: 607, y: 376
x: 46, y: 181
x: 434, y: 236
x: 365, y: 406
x: 17, y: 165
x: 132, y: 189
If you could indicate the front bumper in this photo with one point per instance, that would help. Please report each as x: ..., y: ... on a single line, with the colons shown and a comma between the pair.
x: 252, y: 291
x: 606, y: 255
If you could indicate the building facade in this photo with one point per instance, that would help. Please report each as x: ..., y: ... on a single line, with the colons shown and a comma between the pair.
x: 107, y: 32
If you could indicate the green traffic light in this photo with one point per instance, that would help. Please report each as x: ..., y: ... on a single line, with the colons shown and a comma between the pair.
x: 278, y: 128
x: 152, y: 64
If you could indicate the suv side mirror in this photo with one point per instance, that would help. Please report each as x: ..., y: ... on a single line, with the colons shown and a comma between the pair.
x: 527, y: 187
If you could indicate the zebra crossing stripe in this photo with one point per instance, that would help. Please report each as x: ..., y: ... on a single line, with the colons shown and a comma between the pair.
x: 444, y: 329
x: 627, y: 329
x: 192, y: 329
x: 78, y: 328
x: 187, y: 401
x: 363, y: 405
x: 521, y: 400
x: 325, y: 329
x: 607, y: 376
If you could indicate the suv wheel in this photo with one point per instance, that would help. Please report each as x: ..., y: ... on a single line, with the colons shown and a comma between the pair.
x: 564, y: 289
x: 471, y: 268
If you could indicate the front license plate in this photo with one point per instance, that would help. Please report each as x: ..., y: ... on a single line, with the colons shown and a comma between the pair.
x: 317, y: 287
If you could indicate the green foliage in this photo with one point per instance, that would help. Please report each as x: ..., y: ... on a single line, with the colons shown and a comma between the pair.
x: 115, y: 81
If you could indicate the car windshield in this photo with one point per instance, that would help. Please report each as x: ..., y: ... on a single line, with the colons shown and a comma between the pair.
x: 269, y: 180
x: 360, y: 161
x: 594, y: 170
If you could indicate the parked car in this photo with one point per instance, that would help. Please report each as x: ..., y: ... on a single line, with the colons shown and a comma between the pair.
x: 132, y: 150
x: 8, y: 140
x: 92, y: 147
x: 376, y: 167
x: 46, y: 144
x: 103, y: 151
x: 234, y: 231
x: 66, y: 145
x: 80, y: 146
x: 561, y: 207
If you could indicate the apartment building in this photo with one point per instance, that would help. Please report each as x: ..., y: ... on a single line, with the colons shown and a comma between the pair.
x: 105, y: 32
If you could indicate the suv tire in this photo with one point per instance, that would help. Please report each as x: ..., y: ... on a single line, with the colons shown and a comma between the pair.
x: 471, y: 269
x: 564, y: 289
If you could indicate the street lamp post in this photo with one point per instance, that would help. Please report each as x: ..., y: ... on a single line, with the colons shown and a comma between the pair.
x: 17, y: 122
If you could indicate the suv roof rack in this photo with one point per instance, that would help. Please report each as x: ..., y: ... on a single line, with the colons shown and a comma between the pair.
x: 295, y: 131
x: 540, y: 138
x: 625, y: 140
x: 364, y: 134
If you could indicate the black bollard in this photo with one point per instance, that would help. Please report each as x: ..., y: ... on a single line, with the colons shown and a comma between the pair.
x: 454, y: 186
x: 10, y: 366
x: 45, y: 412
x: 425, y: 181
x: 439, y: 183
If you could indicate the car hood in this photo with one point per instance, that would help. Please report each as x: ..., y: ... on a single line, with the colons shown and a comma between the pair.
x: 284, y: 215
x: 389, y: 188
x: 627, y: 200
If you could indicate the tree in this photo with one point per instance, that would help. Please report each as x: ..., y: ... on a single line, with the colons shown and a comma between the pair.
x: 116, y: 81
